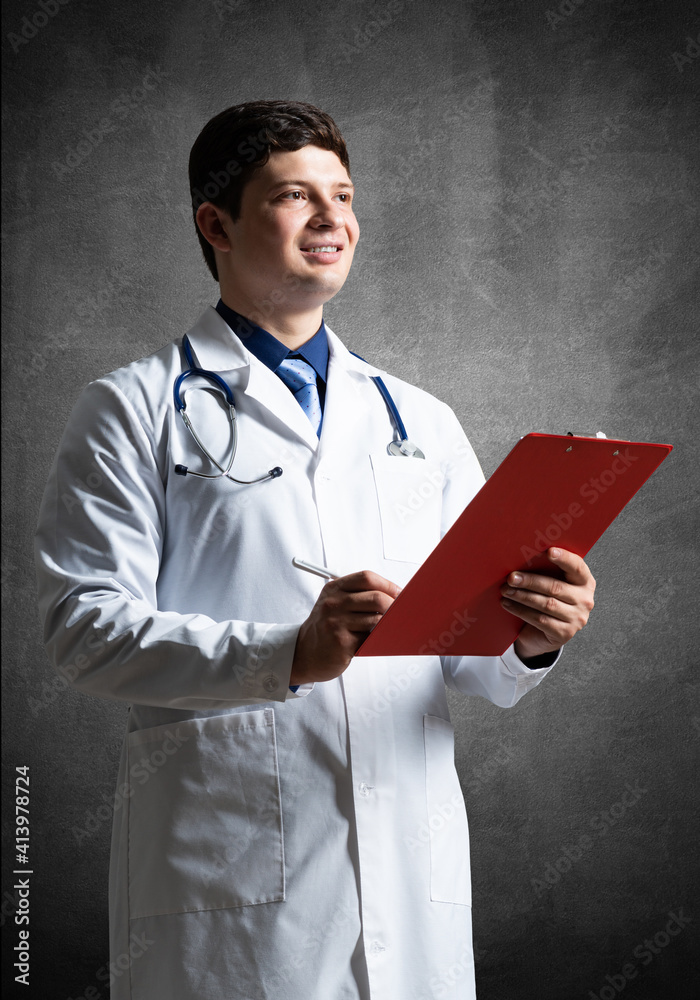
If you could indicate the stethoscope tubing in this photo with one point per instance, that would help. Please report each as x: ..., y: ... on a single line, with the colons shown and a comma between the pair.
x: 179, y: 399
x: 400, y: 447
x: 234, y: 430
x: 391, y: 405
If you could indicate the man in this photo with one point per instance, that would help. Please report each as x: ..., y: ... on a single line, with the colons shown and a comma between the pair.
x: 293, y: 823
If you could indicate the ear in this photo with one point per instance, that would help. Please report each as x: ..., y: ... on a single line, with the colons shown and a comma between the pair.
x: 212, y: 222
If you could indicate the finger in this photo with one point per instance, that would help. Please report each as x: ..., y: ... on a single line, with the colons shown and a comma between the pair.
x: 362, y: 623
x: 365, y: 580
x: 543, y: 605
x: 363, y: 602
x: 558, y: 631
x: 577, y: 576
x: 544, y: 586
x: 575, y: 569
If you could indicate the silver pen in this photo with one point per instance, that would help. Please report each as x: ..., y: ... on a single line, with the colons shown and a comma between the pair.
x: 312, y: 568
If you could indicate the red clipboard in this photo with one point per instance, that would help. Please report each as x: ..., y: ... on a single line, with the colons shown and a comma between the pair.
x: 550, y: 490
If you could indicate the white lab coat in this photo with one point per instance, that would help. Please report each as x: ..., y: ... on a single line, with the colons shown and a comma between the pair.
x: 266, y: 845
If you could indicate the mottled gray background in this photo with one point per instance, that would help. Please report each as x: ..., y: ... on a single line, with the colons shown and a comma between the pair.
x: 528, y: 196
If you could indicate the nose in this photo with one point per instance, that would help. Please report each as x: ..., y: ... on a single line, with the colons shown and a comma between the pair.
x: 328, y: 215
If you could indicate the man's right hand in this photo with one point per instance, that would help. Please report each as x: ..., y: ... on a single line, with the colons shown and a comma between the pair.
x: 347, y: 609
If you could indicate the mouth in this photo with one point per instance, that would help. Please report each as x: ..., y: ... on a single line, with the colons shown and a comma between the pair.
x: 324, y: 248
x: 323, y: 253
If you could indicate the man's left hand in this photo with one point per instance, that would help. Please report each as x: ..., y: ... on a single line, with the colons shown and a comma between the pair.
x: 553, y: 610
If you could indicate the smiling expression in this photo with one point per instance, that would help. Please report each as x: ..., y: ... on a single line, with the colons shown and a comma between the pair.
x: 293, y: 242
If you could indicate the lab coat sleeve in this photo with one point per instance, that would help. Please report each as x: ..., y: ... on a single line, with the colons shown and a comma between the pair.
x: 98, y: 549
x: 503, y: 679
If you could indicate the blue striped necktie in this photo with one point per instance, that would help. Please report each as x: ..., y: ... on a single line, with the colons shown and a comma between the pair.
x: 300, y: 377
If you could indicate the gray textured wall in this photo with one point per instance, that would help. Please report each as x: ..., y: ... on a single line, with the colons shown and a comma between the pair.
x: 528, y: 197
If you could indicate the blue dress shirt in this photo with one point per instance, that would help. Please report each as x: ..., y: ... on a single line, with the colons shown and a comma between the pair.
x: 272, y: 352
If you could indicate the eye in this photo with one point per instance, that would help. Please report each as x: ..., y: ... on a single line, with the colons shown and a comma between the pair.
x: 346, y: 198
x: 293, y: 195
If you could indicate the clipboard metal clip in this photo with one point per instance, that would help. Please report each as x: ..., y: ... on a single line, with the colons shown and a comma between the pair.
x: 598, y: 434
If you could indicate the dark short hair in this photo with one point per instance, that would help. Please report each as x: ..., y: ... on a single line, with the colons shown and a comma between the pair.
x: 234, y: 143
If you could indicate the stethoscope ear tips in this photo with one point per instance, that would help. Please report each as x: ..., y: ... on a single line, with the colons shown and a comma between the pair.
x: 275, y: 473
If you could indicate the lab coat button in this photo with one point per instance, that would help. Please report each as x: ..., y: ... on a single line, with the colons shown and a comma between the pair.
x: 377, y: 948
x: 270, y: 683
x: 365, y: 789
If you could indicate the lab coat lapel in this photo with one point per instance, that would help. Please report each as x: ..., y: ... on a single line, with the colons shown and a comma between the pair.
x: 217, y: 348
x: 346, y: 403
x: 271, y: 392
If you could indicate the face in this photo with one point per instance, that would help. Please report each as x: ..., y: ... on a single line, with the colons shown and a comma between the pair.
x: 294, y: 240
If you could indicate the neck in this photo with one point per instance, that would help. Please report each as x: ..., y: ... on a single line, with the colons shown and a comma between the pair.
x: 292, y: 328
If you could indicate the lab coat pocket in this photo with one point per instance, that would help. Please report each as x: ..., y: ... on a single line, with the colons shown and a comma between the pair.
x: 205, y: 819
x: 450, y: 877
x: 409, y: 494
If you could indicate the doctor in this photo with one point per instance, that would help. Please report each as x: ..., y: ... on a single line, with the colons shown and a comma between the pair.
x: 293, y: 826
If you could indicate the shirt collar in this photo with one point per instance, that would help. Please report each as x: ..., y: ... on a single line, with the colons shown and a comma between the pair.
x: 272, y: 351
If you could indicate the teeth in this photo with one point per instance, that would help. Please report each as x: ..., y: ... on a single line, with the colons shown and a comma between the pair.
x: 321, y: 249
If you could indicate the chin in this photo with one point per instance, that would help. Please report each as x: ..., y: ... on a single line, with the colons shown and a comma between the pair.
x: 320, y: 287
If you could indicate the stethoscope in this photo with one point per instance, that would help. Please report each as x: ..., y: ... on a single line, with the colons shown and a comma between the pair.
x: 399, y: 445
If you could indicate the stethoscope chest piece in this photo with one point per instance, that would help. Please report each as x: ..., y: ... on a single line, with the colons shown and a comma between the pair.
x: 405, y: 449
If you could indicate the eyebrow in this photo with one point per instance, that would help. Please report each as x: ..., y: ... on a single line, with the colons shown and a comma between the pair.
x: 300, y: 183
